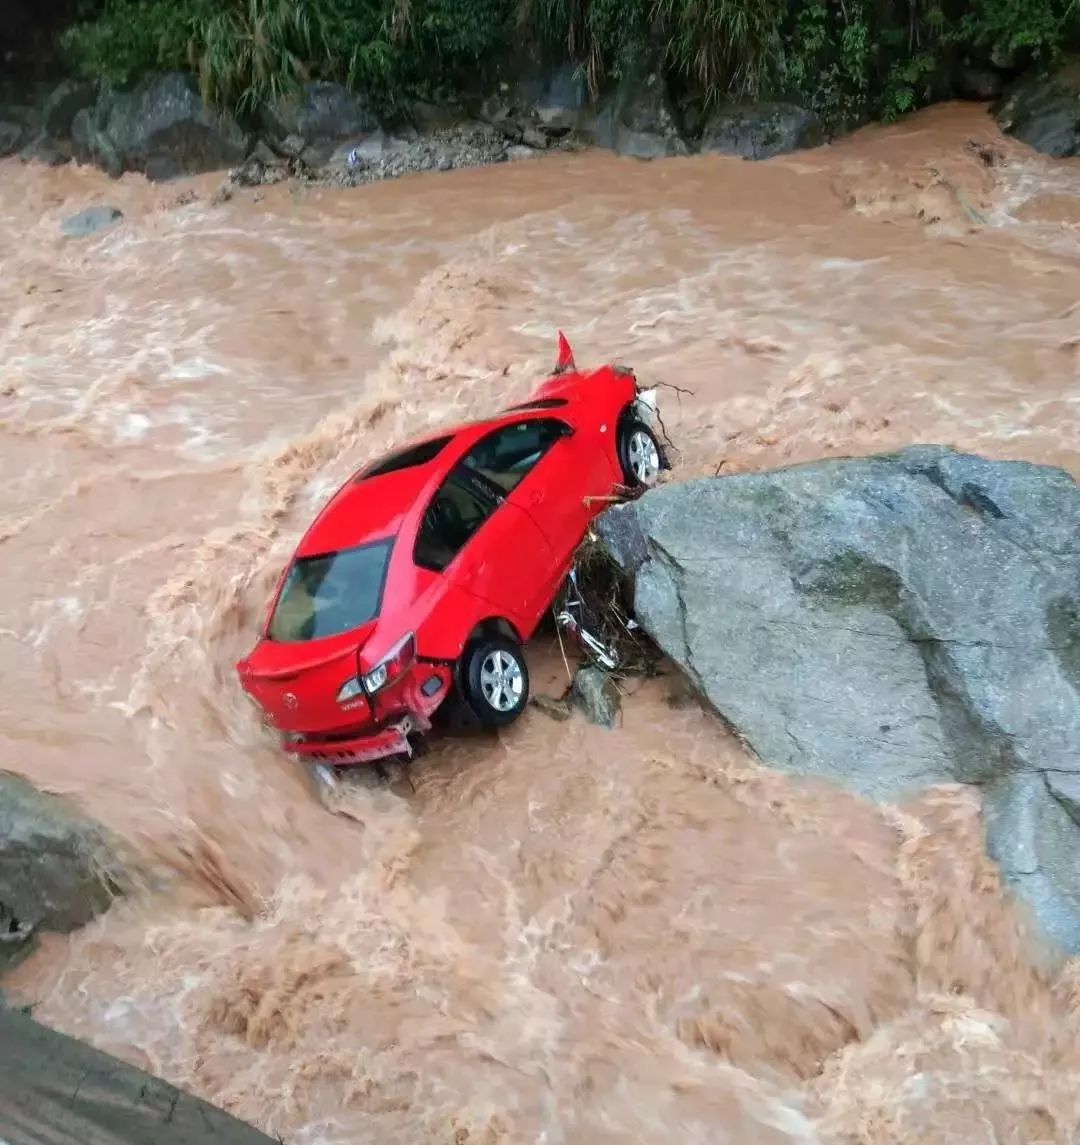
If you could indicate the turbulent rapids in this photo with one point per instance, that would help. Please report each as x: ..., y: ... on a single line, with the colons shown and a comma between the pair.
x: 564, y: 933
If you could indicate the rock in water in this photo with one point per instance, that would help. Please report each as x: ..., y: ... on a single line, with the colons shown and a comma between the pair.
x: 595, y: 696
x: 888, y: 623
x: 56, y: 868
x: 90, y: 221
x: 56, y: 1088
x: 1042, y: 109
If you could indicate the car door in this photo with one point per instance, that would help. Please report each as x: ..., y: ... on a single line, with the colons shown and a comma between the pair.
x: 540, y: 465
x: 485, y: 545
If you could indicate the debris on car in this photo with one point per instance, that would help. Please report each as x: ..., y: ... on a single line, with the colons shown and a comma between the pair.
x: 426, y: 573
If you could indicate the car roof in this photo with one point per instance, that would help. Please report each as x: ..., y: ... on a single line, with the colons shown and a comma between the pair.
x: 373, y: 503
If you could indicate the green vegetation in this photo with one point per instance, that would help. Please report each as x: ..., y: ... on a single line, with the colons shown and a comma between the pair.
x: 848, y: 60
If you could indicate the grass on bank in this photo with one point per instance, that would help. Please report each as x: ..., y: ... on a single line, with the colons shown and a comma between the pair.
x: 848, y: 60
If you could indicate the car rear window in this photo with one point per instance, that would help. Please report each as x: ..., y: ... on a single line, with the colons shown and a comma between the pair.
x: 407, y: 458
x: 330, y: 594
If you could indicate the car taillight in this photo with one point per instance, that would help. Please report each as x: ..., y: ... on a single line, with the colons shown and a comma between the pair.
x: 393, y: 667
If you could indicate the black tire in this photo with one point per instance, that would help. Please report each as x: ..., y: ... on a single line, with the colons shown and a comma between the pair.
x: 632, y: 429
x: 480, y: 659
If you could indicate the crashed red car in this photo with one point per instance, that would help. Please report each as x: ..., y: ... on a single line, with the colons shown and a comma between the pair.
x: 431, y: 567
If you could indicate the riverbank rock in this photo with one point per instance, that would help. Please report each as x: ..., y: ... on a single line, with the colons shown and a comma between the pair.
x: 56, y: 1088
x: 1042, y: 109
x: 11, y: 135
x: 317, y: 118
x: 760, y: 130
x: 639, y: 120
x: 887, y: 623
x: 541, y: 110
x: 56, y: 867
x: 67, y: 99
x: 162, y: 129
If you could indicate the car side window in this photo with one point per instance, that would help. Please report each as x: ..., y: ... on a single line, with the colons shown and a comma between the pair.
x: 463, y: 503
x: 506, y: 456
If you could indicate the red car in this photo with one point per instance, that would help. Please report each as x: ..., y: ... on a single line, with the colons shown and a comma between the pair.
x: 430, y: 568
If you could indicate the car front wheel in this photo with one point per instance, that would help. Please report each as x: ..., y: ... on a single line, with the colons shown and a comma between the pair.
x: 639, y: 454
x: 496, y: 681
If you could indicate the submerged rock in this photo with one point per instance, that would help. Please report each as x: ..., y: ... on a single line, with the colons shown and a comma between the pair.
x: 596, y: 697
x: 90, y: 221
x: 1042, y: 109
x: 56, y: 870
x: 888, y: 623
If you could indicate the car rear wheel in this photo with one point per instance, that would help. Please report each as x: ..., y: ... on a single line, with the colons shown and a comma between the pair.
x: 639, y: 454
x: 495, y: 681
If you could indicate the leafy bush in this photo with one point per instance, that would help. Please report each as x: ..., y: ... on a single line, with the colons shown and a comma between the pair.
x: 847, y: 60
x: 1020, y: 29
x: 129, y: 39
x: 856, y: 61
x: 724, y: 47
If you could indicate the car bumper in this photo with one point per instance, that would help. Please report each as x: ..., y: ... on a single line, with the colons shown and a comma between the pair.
x: 408, y: 713
x: 365, y: 747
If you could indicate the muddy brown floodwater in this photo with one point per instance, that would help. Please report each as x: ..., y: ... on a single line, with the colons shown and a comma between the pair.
x: 565, y: 935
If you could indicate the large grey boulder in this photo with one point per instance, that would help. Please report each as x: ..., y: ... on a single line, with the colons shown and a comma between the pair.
x: 639, y: 120
x: 1042, y: 109
x: 760, y: 130
x: 54, y: 1088
x: 320, y: 116
x: 11, y: 136
x: 543, y: 107
x: 66, y: 100
x: 162, y: 129
x: 57, y: 868
x: 888, y: 623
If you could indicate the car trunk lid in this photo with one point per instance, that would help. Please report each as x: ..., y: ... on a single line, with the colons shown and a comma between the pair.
x: 297, y: 685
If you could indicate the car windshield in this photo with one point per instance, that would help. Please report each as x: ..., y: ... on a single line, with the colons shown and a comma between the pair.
x: 330, y: 594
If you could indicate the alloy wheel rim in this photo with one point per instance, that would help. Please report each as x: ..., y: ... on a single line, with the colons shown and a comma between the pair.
x: 502, y: 681
x: 644, y: 457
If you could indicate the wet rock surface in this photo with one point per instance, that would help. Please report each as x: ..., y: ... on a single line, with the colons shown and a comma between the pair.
x: 91, y: 221
x: 55, y: 1088
x: 322, y: 113
x: 887, y: 623
x: 162, y: 129
x: 595, y: 696
x: 639, y: 120
x: 56, y: 869
x: 330, y: 135
x: 1042, y: 109
x: 759, y: 131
